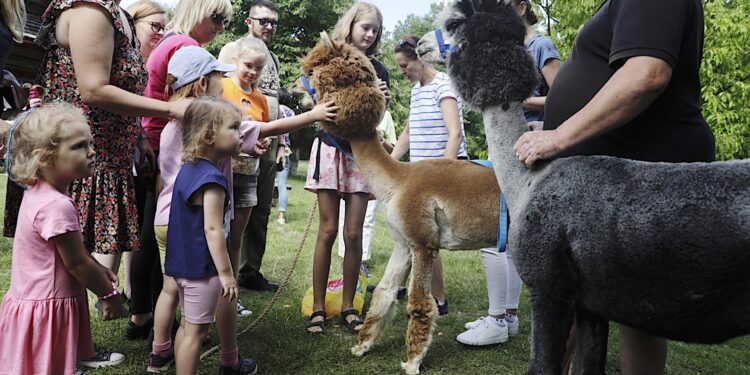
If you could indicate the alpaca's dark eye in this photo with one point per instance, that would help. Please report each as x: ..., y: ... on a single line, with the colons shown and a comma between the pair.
x: 452, y: 25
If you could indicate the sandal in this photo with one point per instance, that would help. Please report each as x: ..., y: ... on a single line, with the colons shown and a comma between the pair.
x: 320, y: 323
x: 351, y: 326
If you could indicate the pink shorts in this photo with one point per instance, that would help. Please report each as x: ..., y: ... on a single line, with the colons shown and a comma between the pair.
x: 198, y: 298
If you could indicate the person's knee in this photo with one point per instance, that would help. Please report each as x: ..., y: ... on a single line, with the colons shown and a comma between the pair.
x: 352, y: 236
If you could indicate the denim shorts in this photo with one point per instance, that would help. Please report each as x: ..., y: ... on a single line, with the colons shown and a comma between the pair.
x: 245, y: 188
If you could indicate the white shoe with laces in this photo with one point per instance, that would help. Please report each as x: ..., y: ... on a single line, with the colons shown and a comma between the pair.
x: 489, y: 331
x: 242, y: 310
x: 473, y: 324
x: 102, y: 358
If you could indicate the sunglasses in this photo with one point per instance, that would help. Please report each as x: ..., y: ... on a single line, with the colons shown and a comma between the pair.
x: 403, y: 42
x: 266, y: 21
x: 219, y: 19
x: 155, y: 26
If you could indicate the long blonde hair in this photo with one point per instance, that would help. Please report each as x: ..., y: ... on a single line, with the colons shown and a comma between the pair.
x: 35, y: 136
x: 202, y: 120
x: 14, y: 16
x: 343, y: 29
x: 190, y: 13
x: 144, y: 8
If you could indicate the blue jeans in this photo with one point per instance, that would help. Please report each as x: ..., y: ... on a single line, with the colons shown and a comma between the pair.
x: 281, y: 177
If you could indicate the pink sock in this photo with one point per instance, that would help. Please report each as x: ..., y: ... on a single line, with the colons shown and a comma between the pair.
x: 231, y: 359
x: 163, y: 349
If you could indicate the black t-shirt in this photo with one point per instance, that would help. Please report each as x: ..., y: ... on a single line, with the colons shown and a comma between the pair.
x: 672, y: 128
x: 381, y: 71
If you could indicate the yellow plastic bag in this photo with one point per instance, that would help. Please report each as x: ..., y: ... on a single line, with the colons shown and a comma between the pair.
x: 334, y: 295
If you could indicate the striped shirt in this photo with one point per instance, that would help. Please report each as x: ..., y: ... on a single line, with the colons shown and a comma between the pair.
x: 428, y: 135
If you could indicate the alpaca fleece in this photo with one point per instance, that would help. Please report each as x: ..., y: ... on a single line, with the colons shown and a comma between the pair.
x: 656, y: 246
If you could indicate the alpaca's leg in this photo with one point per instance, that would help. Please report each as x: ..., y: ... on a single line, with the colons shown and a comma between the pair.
x: 422, y: 310
x: 383, y: 306
x: 552, y: 316
x: 591, y: 343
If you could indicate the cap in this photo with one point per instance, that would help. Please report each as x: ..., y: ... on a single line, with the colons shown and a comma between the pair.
x: 192, y: 62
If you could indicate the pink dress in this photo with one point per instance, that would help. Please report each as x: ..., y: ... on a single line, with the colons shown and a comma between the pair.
x: 44, y: 318
x: 337, y: 171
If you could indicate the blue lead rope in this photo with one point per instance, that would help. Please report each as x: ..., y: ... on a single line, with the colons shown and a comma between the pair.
x: 502, y: 228
x: 445, y: 48
x: 308, y: 87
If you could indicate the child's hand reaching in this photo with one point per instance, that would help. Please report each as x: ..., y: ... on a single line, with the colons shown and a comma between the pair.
x: 324, y: 112
x: 229, y: 286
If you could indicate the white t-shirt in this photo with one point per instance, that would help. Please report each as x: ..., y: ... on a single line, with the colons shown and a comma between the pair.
x: 428, y: 135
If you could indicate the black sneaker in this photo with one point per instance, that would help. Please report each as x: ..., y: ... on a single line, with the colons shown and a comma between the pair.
x: 259, y: 283
x: 136, y: 332
x: 102, y: 358
x: 157, y: 363
x: 442, y: 309
x: 401, y: 295
x: 248, y: 366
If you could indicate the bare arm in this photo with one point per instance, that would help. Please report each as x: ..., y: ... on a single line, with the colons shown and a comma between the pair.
x: 402, y: 144
x: 452, y: 119
x: 91, y: 38
x: 549, y: 72
x: 213, y: 219
x: 630, y: 91
x: 84, y: 268
x: 321, y: 112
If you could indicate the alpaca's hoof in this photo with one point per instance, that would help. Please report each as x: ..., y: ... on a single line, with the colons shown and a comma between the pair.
x: 410, y: 368
x: 360, y: 349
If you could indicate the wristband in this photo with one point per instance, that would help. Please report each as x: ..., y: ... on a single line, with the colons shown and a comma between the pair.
x: 111, y: 294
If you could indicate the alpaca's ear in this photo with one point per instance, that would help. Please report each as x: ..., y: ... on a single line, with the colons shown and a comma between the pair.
x: 326, y: 39
x: 466, y: 7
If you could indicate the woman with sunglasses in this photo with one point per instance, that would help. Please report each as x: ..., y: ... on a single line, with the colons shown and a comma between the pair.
x: 150, y: 20
x: 435, y: 128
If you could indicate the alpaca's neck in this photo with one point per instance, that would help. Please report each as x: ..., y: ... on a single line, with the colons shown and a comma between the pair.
x: 377, y: 167
x: 502, y: 129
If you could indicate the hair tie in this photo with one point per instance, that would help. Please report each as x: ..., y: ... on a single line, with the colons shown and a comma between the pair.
x: 9, y: 139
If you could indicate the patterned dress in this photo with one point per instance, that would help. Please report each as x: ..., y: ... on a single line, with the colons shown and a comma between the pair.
x: 106, y: 201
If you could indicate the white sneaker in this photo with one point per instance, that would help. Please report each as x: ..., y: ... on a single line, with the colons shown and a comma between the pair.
x: 102, y: 358
x: 487, y: 332
x: 475, y: 323
x: 512, y: 326
x: 281, y: 221
x: 242, y: 310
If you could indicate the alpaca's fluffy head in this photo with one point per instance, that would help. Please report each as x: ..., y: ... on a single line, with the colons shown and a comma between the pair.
x: 344, y: 74
x: 491, y: 65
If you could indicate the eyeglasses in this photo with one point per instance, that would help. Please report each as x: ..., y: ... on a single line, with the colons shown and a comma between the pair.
x: 155, y: 26
x: 403, y: 42
x: 266, y: 21
x: 219, y: 19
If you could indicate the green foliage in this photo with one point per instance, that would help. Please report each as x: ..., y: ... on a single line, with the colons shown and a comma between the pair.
x: 725, y: 76
x: 563, y: 20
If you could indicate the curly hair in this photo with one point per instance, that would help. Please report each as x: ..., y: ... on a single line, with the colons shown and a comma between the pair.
x: 203, y: 118
x: 35, y: 137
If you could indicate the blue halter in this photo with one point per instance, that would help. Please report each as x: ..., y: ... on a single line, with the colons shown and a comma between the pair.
x: 308, y: 87
x: 445, y: 48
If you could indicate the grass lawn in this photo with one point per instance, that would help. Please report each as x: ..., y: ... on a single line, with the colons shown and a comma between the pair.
x: 281, y: 345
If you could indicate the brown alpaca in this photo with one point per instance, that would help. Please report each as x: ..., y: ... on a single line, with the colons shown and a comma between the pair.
x: 429, y: 204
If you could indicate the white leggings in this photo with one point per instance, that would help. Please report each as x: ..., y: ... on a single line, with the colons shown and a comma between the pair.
x: 503, y: 282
